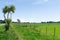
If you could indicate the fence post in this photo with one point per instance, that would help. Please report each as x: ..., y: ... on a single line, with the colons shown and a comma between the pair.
x: 46, y: 33
x: 54, y: 33
x: 46, y: 30
x: 40, y: 31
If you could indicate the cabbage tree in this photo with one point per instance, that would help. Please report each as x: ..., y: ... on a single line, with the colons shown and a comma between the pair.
x: 7, y: 12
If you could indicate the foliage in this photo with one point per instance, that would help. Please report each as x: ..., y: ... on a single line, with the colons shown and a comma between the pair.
x: 2, y: 21
x: 8, y: 21
x: 18, y: 21
x: 9, y: 35
x: 12, y: 8
x: 31, y: 33
x: 7, y: 18
x: 7, y: 10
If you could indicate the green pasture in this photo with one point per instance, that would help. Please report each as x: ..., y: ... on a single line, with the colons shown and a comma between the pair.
x: 37, y: 31
x: 32, y: 31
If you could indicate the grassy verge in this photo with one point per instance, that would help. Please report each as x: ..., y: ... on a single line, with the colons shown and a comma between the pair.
x: 9, y: 35
x: 30, y: 32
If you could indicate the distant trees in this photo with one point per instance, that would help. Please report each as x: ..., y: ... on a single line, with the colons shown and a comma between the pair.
x: 2, y: 21
x: 51, y: 22
x: 8, y: 10
x: 18, y: 21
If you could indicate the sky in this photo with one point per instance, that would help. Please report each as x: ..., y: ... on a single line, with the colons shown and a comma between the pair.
x: 33, y: 10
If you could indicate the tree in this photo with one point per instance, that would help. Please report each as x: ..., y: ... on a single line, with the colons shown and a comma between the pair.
x: 12, y: 9
x: 18, y: 21
x: 7, y: 10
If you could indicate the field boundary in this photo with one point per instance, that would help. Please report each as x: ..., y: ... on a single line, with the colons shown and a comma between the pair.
x: 18, y: 36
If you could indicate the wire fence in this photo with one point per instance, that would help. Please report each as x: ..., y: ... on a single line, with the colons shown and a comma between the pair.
x: 46, y: 35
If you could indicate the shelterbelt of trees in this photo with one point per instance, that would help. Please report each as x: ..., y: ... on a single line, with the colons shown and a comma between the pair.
x: 2, y: 21
x: 51, y: 22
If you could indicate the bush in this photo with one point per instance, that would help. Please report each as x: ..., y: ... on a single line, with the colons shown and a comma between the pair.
x: 8, y: 21
x: 8, y: 24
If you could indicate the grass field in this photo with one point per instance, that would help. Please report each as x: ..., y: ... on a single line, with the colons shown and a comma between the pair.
x: 36, y: 31
x: 9, y: 35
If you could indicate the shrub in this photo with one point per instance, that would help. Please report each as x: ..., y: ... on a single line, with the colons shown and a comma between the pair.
x: 8, y: 24
x: 8, y: 21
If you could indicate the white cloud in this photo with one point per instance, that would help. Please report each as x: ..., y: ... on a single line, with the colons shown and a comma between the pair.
x: 45, y: 0
x: 39, y: 2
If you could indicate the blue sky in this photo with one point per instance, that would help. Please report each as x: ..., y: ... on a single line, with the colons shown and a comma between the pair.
x: 33, y: 10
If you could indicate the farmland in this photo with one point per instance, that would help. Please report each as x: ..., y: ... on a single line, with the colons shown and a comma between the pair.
x: 32, y: 31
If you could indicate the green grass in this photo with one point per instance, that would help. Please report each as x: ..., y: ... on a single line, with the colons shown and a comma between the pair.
x: 9, y: 35
x: 31, y: 32
x: 38, y: 31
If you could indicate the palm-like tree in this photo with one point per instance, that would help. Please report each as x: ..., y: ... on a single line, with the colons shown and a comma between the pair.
x: 12, y: 9
x: 5, y: 10
x: 8, y: 10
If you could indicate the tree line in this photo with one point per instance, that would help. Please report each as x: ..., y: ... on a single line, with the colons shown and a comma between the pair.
x: 51, y: 22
